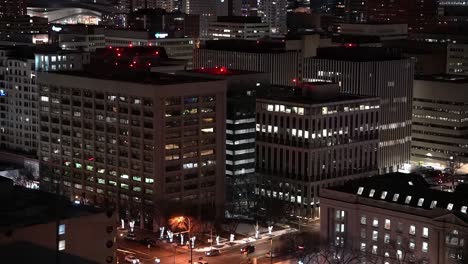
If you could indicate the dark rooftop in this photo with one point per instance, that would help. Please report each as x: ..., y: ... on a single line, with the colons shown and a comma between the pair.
x: 24, y: 207
x: 297, y: 95
x: 135, y: 76
x: 250, y: 46
x: 240, y: 19
x: 445, y: 78
x: 359, y: 54
x: 221, y: 71
x: 400, y: 185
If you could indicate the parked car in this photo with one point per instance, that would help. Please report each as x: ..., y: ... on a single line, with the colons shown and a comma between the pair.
x: 248, y: 249
x: 271, y: 255
x: 130, y: 236
x: 148, y: 241
x: 132, y: 259
x: 213, y: 252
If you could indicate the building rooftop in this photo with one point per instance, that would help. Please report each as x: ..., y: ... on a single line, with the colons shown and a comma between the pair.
x: 407, y: 191
x: 317, y: 95
x: 242, y: 45
x: 359, y: 54
x: 143, y: 76
x: 239, y: 19
x: 221, y: 71
x: 445, y: 78
x: 21, y: 207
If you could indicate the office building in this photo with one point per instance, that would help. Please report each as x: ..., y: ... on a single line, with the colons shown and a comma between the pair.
x: 378, y: 72
x: 152, y: 144
x: 60, y: 60
x: 457, y: 59
x: 396, y: 218
x: 208, y: 10
x: 18, y: 100
x: 12, y: 8
x: 175, y: 24
x: 273, y: 13
x: 56, y: 226
x: 249, y: 28
x: 257, y: 56
x: 440, y: 105
x: 311, y: 139
x: 177, y: 48
x: 419, y: 15
x: 242, y: 89
x: 453, y: 14
x: 383, y: 32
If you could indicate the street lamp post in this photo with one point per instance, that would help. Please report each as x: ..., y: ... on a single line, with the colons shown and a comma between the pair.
x: 271, y: 250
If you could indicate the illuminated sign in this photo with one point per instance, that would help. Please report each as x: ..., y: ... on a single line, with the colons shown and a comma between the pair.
x: 160, y: 35
x: 56, y: 29
x: 2, y: 93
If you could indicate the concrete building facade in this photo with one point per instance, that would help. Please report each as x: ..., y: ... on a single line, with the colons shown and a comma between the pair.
x: 152, y: 150
x: 440, y: 120
x: 457, y: 59
x: 317, y: 139
x: 396, y: 218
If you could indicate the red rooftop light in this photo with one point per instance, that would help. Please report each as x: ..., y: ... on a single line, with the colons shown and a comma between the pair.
x: 130, y: 45
x: 110, y: 47
x: 156, y: 53
x: 294, y: 80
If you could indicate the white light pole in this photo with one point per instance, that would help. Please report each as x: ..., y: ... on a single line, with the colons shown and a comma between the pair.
x: 122, y: 224
x: 132, y: 225
x: 161, y: 232
x: 217, y: 240
x: 231, y: 238
x: 257, y: 232
x: 270, y: 229
x: 181, y: 239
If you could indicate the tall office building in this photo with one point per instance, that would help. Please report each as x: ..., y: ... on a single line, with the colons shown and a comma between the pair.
x: 18, y: 100
x: 312, y: 139
x: 208, y: 10
x: 259, y: 56
x: 376, y: 72
x: 242, y: 89
x: 273, y: 13
x: 453, y: 13
x: 152, y: 144
x: 420, y: 15
x: 457, y: 59
x: 12, y: 8
x: 439, y: 126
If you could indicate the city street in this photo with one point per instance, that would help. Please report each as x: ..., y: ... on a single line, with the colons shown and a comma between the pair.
x: 168, y: 253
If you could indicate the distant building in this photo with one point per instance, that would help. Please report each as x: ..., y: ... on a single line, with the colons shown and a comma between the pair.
x: 177, y: 48
x: 379, y: 72
x: 249, y: 28
x: 12, y: 8
x: 382, y: 31
x: 19, y: 121
x: 242, y: 89
x: 175, y: 24
x: 273, y: 13
x: 258, y: 56
x: 440, y: 104
x: 151, y: 144
x: 60, y: 60
x: 50, y: 222
x: 457, y: 59
x: 313, y: 139
x: 453, y: 13
x: 396, y: 218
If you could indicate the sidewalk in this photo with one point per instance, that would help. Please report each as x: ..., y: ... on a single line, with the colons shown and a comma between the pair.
x: 263, y: 236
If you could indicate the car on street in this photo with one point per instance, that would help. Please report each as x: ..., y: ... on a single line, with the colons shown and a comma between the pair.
x: 130, y: 236
x: 201, y: 262
x: 132, y: 259
x: 248, y: 249
x: 212, y: 253
x: 271, y: 255
x: 148, y: 241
